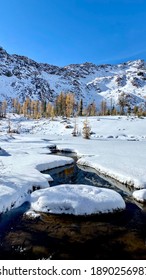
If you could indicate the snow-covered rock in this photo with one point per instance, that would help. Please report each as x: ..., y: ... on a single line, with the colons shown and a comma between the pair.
x: 76, y: 200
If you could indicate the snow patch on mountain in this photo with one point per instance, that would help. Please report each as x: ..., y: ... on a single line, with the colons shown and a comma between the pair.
x: 21, y: 77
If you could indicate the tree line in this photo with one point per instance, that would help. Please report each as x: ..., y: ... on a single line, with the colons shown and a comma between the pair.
x: 66, y: 105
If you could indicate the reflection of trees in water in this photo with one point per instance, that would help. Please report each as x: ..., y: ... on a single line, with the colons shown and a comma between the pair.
x: 69, y: 171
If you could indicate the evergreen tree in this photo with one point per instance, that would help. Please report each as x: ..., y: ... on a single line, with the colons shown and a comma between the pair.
x: 43, y: 108
x: 80, y: 110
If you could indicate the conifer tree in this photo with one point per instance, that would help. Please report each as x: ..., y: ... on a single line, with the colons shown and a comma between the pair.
x: 24, y: 109
x: 135, y: 110
x: 69, y: 104
x: 48, y: 110
x: 14, y: 101
x: 32, y: 108
x: 103, y: 108
x: 80, y: 110
x: 52, y: 113
x: 91, y: 109
x: 60, y: 105
x: 4, y: 108
x: 43, y: 108
x: 18, y: 110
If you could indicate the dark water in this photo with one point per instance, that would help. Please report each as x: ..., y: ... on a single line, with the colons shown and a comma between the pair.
x: 109, y: 236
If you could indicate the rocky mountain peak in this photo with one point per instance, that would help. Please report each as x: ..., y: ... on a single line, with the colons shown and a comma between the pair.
x: 21, y: 76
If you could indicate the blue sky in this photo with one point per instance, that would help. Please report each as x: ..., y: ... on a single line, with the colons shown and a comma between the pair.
x: 62, y: 32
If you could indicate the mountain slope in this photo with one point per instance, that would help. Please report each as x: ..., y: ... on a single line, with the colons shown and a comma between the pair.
x: 21, y: 77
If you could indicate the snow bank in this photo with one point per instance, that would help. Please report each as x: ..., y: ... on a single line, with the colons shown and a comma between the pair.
x: 122, y: 159
x: 76, y: 200
x: 20, y: 174
x: 140, y: 195
x: 121, y: 168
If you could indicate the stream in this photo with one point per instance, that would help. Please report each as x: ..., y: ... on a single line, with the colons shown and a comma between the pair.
x: 107, y: 236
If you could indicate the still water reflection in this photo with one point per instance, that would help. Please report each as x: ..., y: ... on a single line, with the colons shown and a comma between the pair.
x: 109, y: 236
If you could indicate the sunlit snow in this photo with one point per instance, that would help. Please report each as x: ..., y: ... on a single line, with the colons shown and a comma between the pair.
x: 76, y: 200
x: 117, y: 148
x: 140, y: 195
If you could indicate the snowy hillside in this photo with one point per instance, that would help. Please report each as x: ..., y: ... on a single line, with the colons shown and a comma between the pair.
x: 21, y: 77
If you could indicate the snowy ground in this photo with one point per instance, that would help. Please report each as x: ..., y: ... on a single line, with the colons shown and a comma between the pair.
x: 117, y: 148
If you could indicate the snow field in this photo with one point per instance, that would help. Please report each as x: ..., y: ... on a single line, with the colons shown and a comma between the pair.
x: 117, y: 148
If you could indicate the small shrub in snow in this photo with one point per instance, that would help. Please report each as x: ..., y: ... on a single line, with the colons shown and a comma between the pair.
x: 86, y: 132
x: 75, y: 130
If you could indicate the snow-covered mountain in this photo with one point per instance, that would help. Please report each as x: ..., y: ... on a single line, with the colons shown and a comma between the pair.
x: 21, y: 77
